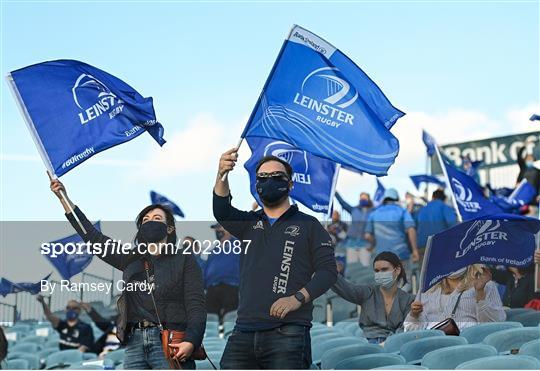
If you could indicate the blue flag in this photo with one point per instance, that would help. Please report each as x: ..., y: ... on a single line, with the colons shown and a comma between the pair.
x: 423, y: 178
x: 429, y: 142
x: 379, y: 194
x: 9, y: 287
x: 319, y: 101
x: 68, y: 265
x: 314, y: 177
x: 535, y: 117
x: 522, y: 195
x: 156, y: 198
x: 74, y: 110
x: 504, y: 239
x: 468, y: 195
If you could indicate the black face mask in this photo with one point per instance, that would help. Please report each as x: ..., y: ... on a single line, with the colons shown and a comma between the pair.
x: 272, y: 191
x: 152, y: 231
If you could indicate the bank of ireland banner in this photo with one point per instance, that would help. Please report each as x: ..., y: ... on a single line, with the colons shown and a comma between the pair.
x: 319, y: 101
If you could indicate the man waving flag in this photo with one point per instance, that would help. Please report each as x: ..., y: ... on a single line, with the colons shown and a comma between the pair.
x: 318, y: 100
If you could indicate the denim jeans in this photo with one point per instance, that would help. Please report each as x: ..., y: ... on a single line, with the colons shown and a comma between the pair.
x: 285, y: 347
x: 144, y: 351
x: 376, y: 340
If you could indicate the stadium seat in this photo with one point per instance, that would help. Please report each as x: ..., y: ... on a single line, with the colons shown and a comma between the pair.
x: 512, y: 339
x: 325, y: 337
x: 359, y: 332
x: 81, y: 366
x: 449, y: 358
x: 401, y: 367
x: 394, y: 342
x: 15, y: 355
x: 475, y: 334
x: 528, y: 319
x: 212, y: 317
x: 20, y: 327
x: 319, y: 347
x: 206, y: 365
x: 33, y: 360
x: 26, y: 347
x: 369, y: 361
x: 531, y: 348
x: 414, y: 350
x: 512, y: 312
x: 40, y: 340
x: 324, y: 331
x: 116, y: 356
x: 89, y: 356
x: 332, y: 357
x: 215, y: 347
x: 230, y: 316
x: 508, y: 362
x: 63, y: 358
x: 44, y: 353
x: 17, y: 364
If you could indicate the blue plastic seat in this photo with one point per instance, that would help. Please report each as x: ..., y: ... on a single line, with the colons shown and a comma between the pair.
x: 40, y: 340
x: 33, y: 360
x: 326, y: 336
x: 449, y: 358
x: 414, y: 350
x: 475, y: 334
x: 512, y: 312
x: 512, y: 339
x: 332, y: 357
x: 531, y: 318
x: 319, y: 347
x: 347, y: 327
x: 63, y: 358
x: 394, y: 342
x: 81, y: 366
x: 212, y: 317
x: 116, y: 356
x: 508, y: 362
x: 401, y: 367
x: 17, y: 364
x: 369, y: 361
x: 26, y: 347
x: 531, y: 348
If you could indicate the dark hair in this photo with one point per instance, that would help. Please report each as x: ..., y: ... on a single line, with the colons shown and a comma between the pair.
x: 438, y: 194
x: 169, y: 220
x: 393, y: 259
x: 288, y: 168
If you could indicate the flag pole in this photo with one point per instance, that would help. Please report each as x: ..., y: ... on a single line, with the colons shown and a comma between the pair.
x: 37, y: 141
x: 333, y: 190
x: 424, y: 265
x: 443, y: 167
x: 537, y: 265
x: 224, y: 177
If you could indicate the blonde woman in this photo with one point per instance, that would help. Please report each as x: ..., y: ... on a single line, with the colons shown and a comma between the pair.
x: 469, y: 290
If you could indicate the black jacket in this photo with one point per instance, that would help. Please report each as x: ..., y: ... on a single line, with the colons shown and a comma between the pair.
x: 531, y: 174
x: 295, y: 252
x: 179, y: 291
x: 517, y: 294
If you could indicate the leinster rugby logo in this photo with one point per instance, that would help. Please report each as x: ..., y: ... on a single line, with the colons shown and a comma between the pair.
x: 94, y: 98
x: 464, y: 197
x: 480, y: 234
x: 326, y: 92
x: 292, y: 230
x: 297, y: 158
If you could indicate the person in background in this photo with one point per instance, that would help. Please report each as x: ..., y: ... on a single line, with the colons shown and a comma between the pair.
x: 74, y: 333
x: 337, y: 229
x: 108, y: 341
x: 412, y: 205
x: 528, y: 171
x: 469, y: 289
x: 391, y: 228
x: 222, y: 274
x: 358, y: 249
x: 384, y: 305
x: 518, y: 283
x: 3, y: 346
x: 195, y: 249
x: 433, y: 218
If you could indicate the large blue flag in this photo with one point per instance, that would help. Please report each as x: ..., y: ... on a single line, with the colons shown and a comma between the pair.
x: 9, y: 287
x: 522, y: 195
x: 68, y: 265
x: 429, y: 143
x: 423, y: 178
x: 503, y: 239
x: 468, y: 194
x: 74, y: 110
x: 314, y: 177
x: 319, y: 101
x: 156, y: 198
x: 379, y: 194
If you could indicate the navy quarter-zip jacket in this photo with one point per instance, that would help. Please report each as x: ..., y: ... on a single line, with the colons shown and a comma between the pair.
x: 295, y: 252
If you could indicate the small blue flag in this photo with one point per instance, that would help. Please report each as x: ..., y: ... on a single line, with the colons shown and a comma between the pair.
x: 423, y: 178
x: 318, y: 100
x: 314, y: 177
x: 504, y: 239
x: 9, y: 287
x: 68, y: 265
x: 156, y: 198
x: 535, y: 117
x: 74, y: 110
x: 430, y: 143
x: 379, y: 194
x: 522, y: 195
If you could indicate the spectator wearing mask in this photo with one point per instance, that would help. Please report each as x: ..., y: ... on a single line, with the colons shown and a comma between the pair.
x: 222, y: 274
x: 384, y: 305
x: 74, y: 333
x: 470, y: 290
x: 435, y: 217
x: 358, y: 249
x: 107, y: 342
x: 391, y: 228
x: 518, y: 283
x: 337, y: 229
x: 528, y: 171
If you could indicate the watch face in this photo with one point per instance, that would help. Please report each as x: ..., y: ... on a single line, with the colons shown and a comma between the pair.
x: 300, y: 297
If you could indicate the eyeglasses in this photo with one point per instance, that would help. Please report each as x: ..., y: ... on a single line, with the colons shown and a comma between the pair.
x: 276, y: 175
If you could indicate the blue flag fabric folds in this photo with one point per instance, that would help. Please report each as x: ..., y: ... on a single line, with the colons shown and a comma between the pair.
x: 75, y: 110
x: 9, y: 287
x: 379, y: 194
x: 157, y: 198
x: 423, y: 178
x: 68, y: 265
x: 429, y: 142
x: 319, y: 101
x: 503, y: 239
x: 522, y: 195
x: 314, y: 177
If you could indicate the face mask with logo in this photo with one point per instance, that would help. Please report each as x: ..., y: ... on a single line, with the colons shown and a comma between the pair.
x: 72, y: 315
x: 272, y: 191
x: 152, y: 231
x: 385, y: 279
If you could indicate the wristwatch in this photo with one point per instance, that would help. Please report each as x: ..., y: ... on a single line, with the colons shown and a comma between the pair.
x: 300, y: 297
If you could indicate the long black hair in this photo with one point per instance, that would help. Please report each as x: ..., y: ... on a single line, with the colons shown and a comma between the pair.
x: 393, y: 259
x: 169, y: 220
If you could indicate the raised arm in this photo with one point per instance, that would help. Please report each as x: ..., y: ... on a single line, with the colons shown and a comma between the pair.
x: 346, y: 206
x: 54, y: 320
